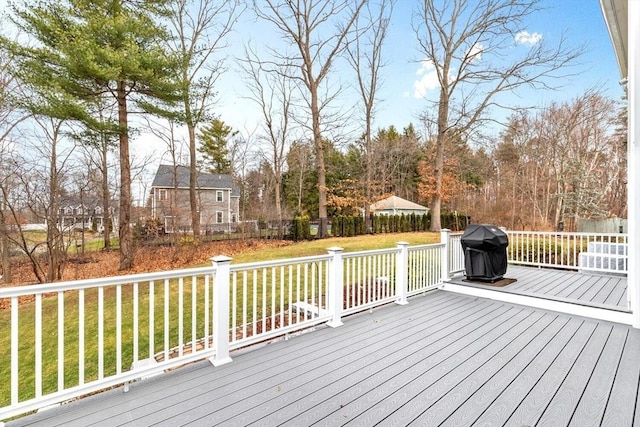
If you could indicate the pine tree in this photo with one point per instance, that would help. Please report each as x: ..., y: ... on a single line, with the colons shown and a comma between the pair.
x: 214, y: 139
x: 83, y: 50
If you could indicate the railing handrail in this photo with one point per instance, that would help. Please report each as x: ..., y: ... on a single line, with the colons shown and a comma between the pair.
x: 278, y: 262
x: 371, y: 252
x: 568, y: 233
x: 74, y: 285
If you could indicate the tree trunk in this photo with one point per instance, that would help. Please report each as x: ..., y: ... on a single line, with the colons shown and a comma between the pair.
x: 54, y: 237
x: 124, y: 220
x: 443, y: 120
x: 278, y: 183
x: 322, y: 170
x: 193, y: 177
x: 106, y: 202
x: 4, y: 246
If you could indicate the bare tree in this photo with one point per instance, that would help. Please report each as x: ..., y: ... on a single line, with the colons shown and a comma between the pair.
x: 10, y: 118
x: 98, y: 145
x: 201, y: 28
x: 365, y: 56
x: 272, y: 92
x: 32, y: 186
x: 318, y: 31
x: 465, y: 42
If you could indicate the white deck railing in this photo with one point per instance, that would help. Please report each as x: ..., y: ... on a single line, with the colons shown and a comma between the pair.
x: 596, y: 252
x: 73, y: 338
x: 69, y: 339
x: 588, y: 252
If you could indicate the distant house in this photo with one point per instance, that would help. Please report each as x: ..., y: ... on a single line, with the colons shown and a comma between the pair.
x: 85, y: 213
x: 395, y: 205
x: 218, y: 200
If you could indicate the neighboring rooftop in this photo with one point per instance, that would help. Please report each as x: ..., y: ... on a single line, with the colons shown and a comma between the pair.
x: 397, y: 203
x: 166, y: 178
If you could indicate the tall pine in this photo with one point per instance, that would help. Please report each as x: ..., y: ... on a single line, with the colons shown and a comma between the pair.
x: 78, y: 51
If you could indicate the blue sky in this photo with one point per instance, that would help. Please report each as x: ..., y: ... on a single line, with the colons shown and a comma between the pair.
x: 580, y: 21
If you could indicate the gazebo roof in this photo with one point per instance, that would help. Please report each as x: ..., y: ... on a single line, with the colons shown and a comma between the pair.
x: 395, y: 202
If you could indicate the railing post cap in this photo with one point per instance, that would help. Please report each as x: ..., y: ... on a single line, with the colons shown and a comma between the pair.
x: 445, y: 230
x: 335, y: 249
x: 221, y: 258
x: 402, y: 243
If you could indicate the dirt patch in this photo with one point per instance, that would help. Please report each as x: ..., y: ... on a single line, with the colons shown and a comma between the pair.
x: 147, y: 259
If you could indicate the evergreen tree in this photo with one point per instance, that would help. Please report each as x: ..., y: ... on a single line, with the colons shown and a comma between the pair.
x: 83, y: 50
x: 214, y: 139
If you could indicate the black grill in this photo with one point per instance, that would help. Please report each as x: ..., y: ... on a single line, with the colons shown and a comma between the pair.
x: 485, y: 252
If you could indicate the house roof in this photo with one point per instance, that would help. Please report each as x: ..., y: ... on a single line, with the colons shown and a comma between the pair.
x: 165, y: 178
x: 616, y: 17
x: 395, y: 202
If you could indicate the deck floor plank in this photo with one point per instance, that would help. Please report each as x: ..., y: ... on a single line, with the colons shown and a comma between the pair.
x: 592, y: 406
x: 362, y: 378
x: 567, y: 286
x: 428, y: 355
x: 586, y: 282
x: 619, y: 294
x: 508, y: 363
x: 414, y: 389
x: 348, y: 368
x: 497, y: 400
x: 625, y: 386
x: 599, y: 293
x: 558, y: 393
x: 235, y: 393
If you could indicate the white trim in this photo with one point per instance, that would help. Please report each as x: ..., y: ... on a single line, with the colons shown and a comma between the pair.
x: 633, y: 159
x: 542, y: 303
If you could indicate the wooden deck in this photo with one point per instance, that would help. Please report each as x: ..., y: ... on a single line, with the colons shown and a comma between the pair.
x: 603, y: 291
x: 443, y: 359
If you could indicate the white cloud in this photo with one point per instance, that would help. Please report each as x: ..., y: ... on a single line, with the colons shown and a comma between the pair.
x: 476, y: 52
x: 524, y: 37
x: 428, y: 79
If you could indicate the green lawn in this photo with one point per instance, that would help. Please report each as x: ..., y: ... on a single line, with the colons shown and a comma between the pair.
x: 50, y: 334
x: 349, y: 244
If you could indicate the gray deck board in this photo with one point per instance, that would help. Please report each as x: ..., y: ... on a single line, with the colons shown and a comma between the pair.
x: 566, y: 286
x: 564, y: 387
x: 593, y: 401
x: 494, y: 402
x: 625, y: 386
x: 443, y: 359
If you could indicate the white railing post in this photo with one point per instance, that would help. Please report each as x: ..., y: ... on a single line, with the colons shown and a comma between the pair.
x: 402, y: 265
x: 222, y: 266
x: 335, y: 287
x: 444, y: 238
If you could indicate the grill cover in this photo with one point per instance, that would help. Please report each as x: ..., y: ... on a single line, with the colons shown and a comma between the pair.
x: 485, y: 252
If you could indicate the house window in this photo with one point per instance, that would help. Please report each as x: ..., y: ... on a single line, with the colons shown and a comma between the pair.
x: 168, y: 224
x: 219, y: 197
x: 234, y: 218
x: 162, y: 195
x: 219, y: 217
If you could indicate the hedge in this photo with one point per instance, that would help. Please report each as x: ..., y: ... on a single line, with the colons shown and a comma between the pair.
x: 347, y: 226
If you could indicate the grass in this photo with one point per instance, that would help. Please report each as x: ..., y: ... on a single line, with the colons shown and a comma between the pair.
x: 349, y: 244
x: 71, y: 374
